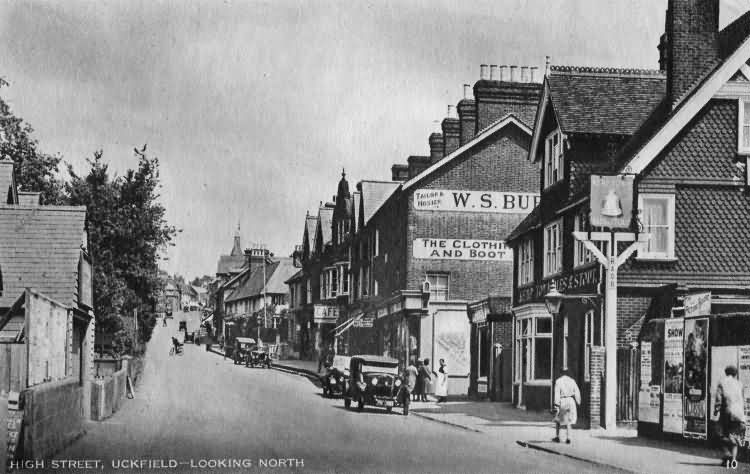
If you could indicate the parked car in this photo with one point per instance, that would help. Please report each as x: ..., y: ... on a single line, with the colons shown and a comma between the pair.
x: 259, y: 356
x: 242, y: 348
x: 374, y: 381
x: 183, y: 326
x: 336, y: 377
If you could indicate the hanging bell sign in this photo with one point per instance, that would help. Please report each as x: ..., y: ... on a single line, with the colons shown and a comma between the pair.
x: 611, y: 201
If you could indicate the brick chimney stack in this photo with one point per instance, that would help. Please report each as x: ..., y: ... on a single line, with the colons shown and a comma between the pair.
x: 692, y: 43
x: 451, y: 128
x: 436, y: 144
x: 417, y: 164
x: 467, y: 116
x: 511, y: 90
x: 255, y: 257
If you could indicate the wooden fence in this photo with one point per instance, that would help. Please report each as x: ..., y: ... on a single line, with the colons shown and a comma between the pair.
x: 627, y: 384
x: 12, y: 368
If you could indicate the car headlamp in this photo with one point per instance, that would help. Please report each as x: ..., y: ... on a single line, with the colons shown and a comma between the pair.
x: 398, y: 383
x: 332, y: 380
x: 374, y: 381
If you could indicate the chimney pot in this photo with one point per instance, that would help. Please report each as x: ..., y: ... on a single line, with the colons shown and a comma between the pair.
x: 437, y: 127
x: 514, y: 74
x: 533, y: 73
x: 493, y: 73
x: 467, y: 91
x: 524, y: 74
x: 452, y: 112
x: 483, y: 74
x: 504, y: 73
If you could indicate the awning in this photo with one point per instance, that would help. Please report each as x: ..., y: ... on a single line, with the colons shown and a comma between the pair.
x: 341, y: 328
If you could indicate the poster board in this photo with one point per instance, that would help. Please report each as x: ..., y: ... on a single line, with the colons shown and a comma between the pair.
x: 673, y: 375
x: 46, y: 338
x: 649, y: 401
x: 695, y: 395
x: 451, y: 341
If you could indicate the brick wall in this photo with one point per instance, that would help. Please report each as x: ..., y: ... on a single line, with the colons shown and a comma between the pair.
x: 630, y: 309
x: 596, y: 387
x: 53, y: 417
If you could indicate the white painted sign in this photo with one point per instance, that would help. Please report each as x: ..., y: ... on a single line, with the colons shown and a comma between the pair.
x: 698, y: 304
x: 474, y: 201
x: 462, y: 249
x: 325, y: 314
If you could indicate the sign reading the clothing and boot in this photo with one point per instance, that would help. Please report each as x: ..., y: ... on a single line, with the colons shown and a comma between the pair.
x: 474, y: 201
x: 462, y: 249
x: 579, y: 280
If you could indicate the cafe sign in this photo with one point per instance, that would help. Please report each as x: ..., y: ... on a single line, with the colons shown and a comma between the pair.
x: 462, y: 249
x: 323, y: 314
x: 474, y: 201
x: 577, y: 281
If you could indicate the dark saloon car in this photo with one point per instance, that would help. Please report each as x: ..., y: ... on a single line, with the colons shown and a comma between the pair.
x: 337, y: 377
x: 374, y: 381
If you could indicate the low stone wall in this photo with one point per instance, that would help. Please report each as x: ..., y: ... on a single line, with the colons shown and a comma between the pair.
x: 107, y: 394
x: 53, y: 417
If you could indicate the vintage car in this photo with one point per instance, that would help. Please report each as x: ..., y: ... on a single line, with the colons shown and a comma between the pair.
x: 242, y: 348
x: 259, y: 356
x: 336, y: 377
x: 374, y: 381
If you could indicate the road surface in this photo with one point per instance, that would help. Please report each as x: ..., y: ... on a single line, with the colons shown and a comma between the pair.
x: 201, y: 413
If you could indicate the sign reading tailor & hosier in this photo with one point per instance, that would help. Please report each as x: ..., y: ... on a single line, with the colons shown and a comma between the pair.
x: 462, y: 249
x: 474, y: 201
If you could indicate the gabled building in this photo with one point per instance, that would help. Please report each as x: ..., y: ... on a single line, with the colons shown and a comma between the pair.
x: 680, y: 133
x: 426, y: 247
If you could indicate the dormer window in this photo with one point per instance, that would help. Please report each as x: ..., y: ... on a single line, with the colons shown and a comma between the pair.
x: 553, y: 158
x: 743, y: 145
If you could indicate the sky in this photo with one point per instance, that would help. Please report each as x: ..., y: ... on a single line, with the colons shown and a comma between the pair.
x: 254, y: 107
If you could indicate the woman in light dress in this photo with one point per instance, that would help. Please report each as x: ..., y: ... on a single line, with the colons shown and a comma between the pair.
x: 567, y: 399
x: 441, y: 386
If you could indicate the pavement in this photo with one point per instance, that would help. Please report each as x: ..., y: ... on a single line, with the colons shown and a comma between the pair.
x: 201, y: 413
x: 619, y: 449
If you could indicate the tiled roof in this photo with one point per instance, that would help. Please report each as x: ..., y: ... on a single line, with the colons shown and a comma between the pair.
x: 296, y: 277
x: 700, y: 249
x: 40, y: 247
x: 276, y: 274
x: 230, y: 264
x: 374, y: 194
x: 531, y: 221
x: 604, y: 100
x: 732, y: 36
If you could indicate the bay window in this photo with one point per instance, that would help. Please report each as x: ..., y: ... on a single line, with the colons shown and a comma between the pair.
x: 533, y: 348
x: 526, y: 262
x: 553, y: 248
x: 657, y: 217
x: 553, y: 158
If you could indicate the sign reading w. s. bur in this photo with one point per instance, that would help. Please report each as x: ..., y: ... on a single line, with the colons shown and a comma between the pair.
x: 474, y: 201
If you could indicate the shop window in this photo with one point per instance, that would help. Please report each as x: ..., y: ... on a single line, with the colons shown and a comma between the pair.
x: 553, y: 248
x: 565, y: 343
x: 553, y: 159
x: 744, y: 127
x: 526, y: 262
x: 657, y: 217
x: 533, y: 348
x: 438, y: 286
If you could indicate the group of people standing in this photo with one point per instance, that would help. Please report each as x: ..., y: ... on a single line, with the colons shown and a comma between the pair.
x: 418, y: 376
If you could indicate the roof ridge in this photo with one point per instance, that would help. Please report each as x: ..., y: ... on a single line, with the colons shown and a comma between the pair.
x: 608, y: 71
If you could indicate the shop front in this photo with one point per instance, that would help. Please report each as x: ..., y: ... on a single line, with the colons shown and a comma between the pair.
x: 549, y: 339
x: 323, y: 327
x: 491, y: 343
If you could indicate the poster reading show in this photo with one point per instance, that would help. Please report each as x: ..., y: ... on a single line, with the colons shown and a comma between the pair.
x: 673, y: 364
x: 696, y: 378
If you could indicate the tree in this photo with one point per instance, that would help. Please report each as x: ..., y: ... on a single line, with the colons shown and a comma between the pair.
x: 35, y: 171
x: 127, y: 229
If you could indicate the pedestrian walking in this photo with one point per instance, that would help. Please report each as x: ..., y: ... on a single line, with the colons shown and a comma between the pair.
x: 441, y: 387
x: 423, y: 377
x: 729, y: 405
x: 410, y: 382
x: 567, y: 399
x: 323, y: 358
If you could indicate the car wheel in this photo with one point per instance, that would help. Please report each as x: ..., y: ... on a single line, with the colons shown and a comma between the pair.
x: 325, y: 392
x: 360, y: 404
x: 406, y: 410
x: 347, y: 403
